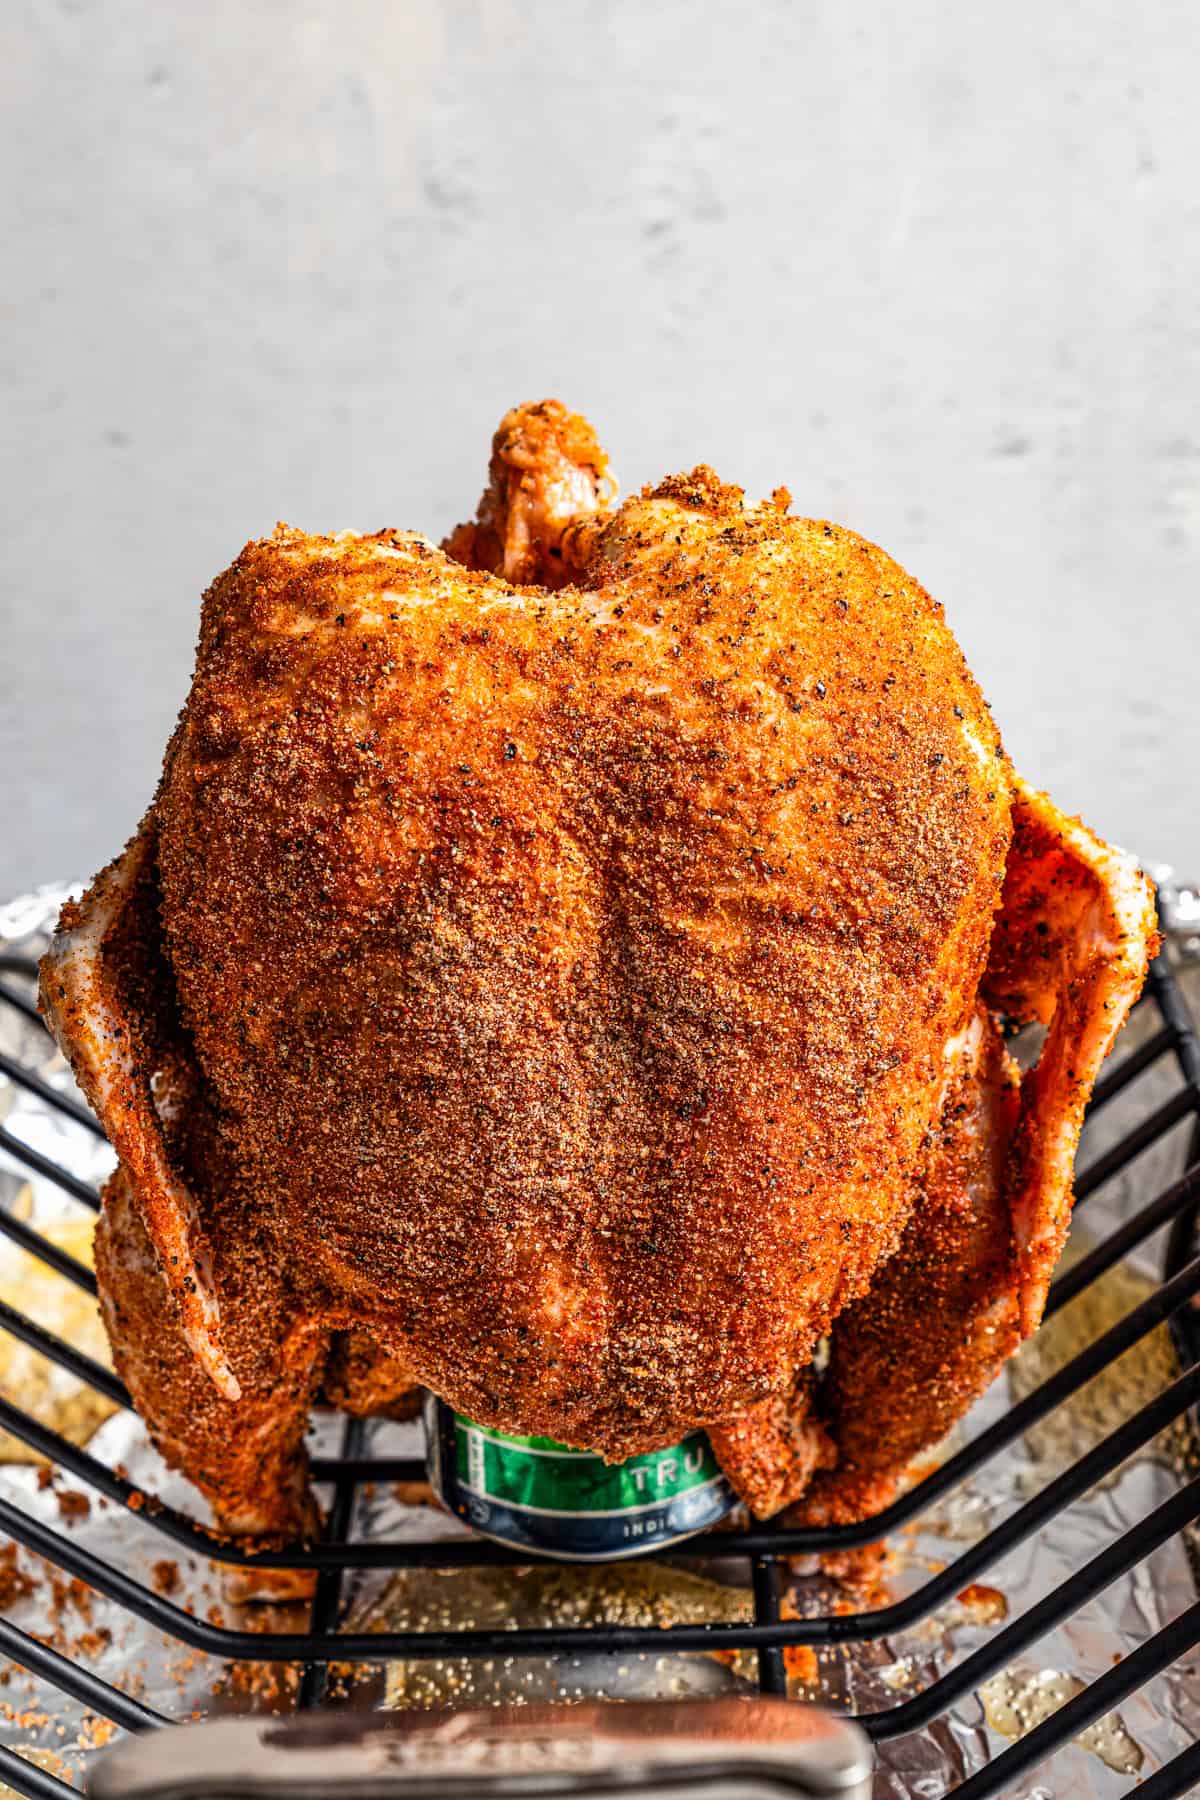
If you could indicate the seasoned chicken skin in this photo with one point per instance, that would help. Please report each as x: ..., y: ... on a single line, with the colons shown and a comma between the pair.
x: 577, y: 986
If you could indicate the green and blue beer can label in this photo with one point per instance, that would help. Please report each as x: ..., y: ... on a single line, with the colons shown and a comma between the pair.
x: 538, y: 1496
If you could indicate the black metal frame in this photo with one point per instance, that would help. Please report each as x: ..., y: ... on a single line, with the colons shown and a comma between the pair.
x: 1176, y: 1301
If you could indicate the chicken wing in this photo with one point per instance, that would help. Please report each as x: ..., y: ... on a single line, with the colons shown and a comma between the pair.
x: 1071, y: 946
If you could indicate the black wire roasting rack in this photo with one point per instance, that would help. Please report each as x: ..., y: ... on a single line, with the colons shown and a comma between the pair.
x: 1171, y: 1041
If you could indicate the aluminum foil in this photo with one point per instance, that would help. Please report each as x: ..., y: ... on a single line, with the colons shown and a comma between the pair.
x: 1152, y: 1726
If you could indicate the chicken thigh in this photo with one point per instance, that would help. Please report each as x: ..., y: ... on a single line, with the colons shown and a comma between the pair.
x: 556, y: 970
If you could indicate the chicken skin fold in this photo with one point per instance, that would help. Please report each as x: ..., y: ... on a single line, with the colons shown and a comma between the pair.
x: 563, y: 970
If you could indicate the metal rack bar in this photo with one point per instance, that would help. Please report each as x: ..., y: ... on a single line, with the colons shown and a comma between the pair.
x: 1103, y: 1694
x: 1169, y: 1204
x: 1119, y: 1557
x: 20, y: 1004
x: 1140, y: 1138
x: 67, y: 1266
x: 1115, y: 1080
x: 327, y: 1598
x: 26, y: 1778
x: 369, y: 1468
x: 772, y: 1672
x: 1162, y: 986
x: 84, y: 1368
x: 1175, y: 1779
x: 52, y: 1171
x: 63, y: 1103
x: 80, y: 1683
x: 1183, y: 1241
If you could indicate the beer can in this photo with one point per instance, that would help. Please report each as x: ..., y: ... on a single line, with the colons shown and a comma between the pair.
x: 539, y: 1496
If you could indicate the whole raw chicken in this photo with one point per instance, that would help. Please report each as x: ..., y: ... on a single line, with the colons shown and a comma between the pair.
x: 564, y: 970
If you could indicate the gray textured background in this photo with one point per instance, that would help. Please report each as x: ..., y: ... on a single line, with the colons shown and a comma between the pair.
x: 935, y: 266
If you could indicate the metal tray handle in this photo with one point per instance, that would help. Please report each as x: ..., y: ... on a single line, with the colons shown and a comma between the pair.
x: 727, y: 1747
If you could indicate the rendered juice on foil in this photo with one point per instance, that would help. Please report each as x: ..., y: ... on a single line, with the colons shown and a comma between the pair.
x: 540, y: 1496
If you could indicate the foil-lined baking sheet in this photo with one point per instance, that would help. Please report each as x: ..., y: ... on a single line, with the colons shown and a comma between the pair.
x: 1153, y: 1725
